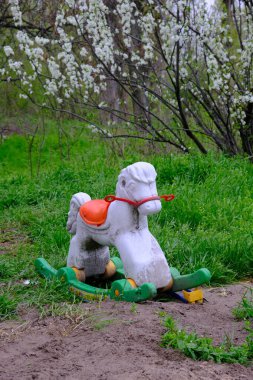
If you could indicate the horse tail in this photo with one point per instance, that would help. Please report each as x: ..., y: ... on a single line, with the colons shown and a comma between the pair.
x: 76, y: 202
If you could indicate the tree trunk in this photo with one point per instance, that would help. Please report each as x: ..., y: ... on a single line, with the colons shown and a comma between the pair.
x: 246, y: 132
x: 111, y: 97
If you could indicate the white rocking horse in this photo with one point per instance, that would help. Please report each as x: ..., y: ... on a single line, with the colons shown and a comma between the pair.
x: 119, y: 221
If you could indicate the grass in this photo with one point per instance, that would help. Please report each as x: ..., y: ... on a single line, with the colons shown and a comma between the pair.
x: 245, y: 309
x: 209, y: 224
x: 133, y: 308
x: 202, y: 348
x: 39, y: 293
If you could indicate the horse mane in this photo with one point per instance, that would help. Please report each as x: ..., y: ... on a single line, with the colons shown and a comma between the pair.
x: 140, y: 171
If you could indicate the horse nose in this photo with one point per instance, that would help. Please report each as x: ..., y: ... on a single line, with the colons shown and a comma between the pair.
x: 150, y: 208
x: 154, y: 206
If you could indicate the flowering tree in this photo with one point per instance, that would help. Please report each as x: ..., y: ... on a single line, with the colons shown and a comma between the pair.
x: 169, y: 71
x: 32, y: 21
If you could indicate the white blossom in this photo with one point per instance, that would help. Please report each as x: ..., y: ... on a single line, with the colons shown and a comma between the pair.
x: 8, y: 51
x: 23, y: 96
x: 41, y: 41
x: 93, y: 45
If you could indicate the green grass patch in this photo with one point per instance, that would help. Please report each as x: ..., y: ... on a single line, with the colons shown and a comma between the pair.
x: 202, y: 348
x: 45, y: 296
x: 8, y: 307
x: 209, y: 224
x: 245, y: 309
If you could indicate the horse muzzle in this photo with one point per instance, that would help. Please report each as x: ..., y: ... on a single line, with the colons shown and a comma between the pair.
x: 150, y: 207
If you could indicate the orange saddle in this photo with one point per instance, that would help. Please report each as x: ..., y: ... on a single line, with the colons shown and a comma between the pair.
x: 94, y: 212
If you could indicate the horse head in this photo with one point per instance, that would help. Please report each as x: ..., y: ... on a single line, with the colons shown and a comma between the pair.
x: 137, y: 182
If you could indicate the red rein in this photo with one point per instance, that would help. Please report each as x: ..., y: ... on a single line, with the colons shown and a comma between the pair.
x: 166, y: 197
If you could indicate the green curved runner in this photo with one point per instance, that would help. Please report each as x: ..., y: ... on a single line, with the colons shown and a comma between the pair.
x: 120, y: 290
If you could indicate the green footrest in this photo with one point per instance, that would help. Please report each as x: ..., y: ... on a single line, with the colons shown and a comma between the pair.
x: 189, y: 281
x: 44, y: 269
x: 121, y: 290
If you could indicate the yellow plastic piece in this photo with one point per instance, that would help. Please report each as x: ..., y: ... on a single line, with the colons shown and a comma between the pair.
x: 110, y: 269
x: 132, y: 282
x: 169, y: 286
x: 195, y: 295
x: 117, y: 293
x: 80, y: 274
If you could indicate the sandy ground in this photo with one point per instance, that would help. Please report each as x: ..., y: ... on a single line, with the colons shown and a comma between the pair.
x: 120, y: 341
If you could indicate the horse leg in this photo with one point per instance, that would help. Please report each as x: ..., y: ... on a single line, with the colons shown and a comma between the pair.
x: 74, y: 259
x: 143, y: 259
x: 87, y: 257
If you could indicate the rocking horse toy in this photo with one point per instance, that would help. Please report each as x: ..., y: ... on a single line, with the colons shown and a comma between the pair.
x: 120, y: 221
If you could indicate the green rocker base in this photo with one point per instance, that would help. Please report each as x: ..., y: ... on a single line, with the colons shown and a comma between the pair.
x: 120, y: 290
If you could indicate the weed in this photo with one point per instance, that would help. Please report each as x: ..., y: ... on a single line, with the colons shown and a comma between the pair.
x: 8, y: 307
x: 245, y: 309
x: 202, y: 348
x: 72, y: 312
x: 102, y: 324
x: 133, y: 308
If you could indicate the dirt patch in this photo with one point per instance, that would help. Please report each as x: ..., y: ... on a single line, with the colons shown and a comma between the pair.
x: 121, y: 341
x: 10, y: 240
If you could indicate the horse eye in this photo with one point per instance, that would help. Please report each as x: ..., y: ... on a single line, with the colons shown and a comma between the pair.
x: 123, y: 183
x: 131, y: 186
